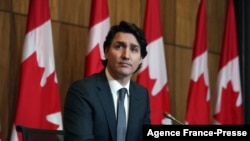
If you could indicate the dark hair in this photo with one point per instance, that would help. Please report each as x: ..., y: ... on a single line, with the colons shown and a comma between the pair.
x: 126, y: 28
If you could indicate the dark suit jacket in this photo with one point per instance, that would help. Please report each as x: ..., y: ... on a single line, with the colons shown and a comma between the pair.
x: 89, y: 111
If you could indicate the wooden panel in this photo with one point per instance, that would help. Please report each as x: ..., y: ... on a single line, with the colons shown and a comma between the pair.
x: 23, y: 5
x: 216, y: 11
x: 56, y: 41
x: 20, y: 6
x: 182, y: 68
x: 54, y: 9
x: 5, y: 4
x: 129, y: 10
x: 170, y: 63
x: 4, y: 53
x: 17, y: 42
x: 186, y: 12
x: 4, y: 69
x: 17, y: 34
x: 16, y: 46
x: 168, y: 20
x: 57, y: 55
x: 71, y: 49
x: 75, y: 12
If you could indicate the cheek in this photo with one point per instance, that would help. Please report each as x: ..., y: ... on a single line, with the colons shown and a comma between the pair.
x: 138, y: 61
x: 108, y: 55
x: 112, y: 56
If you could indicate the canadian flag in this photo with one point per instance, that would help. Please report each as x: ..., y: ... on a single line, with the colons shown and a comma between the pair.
x: 98, y: 28
x: 198, y: 104
x: 153, y: 74
x: 38, y: 100
x: 228, y: 108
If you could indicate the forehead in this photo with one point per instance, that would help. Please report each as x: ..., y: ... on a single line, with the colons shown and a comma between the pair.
x: 125, y: 37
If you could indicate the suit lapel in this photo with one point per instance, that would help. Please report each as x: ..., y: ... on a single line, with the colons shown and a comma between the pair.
x: 134, y: 110
x: 106, y: 99
x: 134, y: 100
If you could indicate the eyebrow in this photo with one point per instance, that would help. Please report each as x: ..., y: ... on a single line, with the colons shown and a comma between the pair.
x: 124, y: 43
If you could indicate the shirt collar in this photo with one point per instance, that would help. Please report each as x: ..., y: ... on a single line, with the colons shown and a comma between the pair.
x: 114, y: 84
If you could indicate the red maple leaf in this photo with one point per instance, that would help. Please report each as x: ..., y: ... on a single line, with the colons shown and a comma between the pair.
x: 93, y: 61
x: 159, y: 102
x: 147, y: 82
x: 198, y: 105
x: 36, y: 102
x: 229, y: 113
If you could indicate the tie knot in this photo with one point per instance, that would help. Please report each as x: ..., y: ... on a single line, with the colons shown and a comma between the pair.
x: 122, y: 93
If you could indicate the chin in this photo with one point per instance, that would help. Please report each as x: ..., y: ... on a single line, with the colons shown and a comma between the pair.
x: 125, y: 73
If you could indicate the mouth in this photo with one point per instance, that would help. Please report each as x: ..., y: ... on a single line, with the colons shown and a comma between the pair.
x: 124, y: 64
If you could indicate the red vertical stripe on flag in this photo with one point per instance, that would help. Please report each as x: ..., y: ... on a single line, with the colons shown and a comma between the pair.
x: 229, y: 97
x: 43, y: 11
x: 198, y: 104
x: 153, y: 74
x: 38, y: 100
x: 99, y: 26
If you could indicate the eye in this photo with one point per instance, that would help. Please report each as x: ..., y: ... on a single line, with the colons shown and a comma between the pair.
x: 118, y: 46
x: 134, y: 49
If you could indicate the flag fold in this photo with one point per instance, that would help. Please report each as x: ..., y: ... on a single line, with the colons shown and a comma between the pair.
x: 38, y: 103
x: 153, y: 74
x: 198, y: 102
x: 98, y: 28
x: 228, y: 108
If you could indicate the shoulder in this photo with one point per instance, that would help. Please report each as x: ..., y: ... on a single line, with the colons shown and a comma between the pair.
x: 90, y: 80
x: 138, y: 89
x: 87, y: 87
x: 135, y: 85
x: 85, y: 81
x: 89, y: 83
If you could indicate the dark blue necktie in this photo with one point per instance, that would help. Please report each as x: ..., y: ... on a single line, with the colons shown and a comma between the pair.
x: 121, y: 116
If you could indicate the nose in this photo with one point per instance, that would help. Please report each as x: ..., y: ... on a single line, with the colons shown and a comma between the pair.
x: 126, y: 53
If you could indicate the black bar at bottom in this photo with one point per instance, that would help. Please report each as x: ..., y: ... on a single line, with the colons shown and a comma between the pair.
x: 162, y: 132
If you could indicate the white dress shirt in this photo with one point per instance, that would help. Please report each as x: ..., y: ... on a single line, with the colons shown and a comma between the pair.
x: 115, y: 86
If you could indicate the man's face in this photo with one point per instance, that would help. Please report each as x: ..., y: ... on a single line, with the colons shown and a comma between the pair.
x: 124, y: 55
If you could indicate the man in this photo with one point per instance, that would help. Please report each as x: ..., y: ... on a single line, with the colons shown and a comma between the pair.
x: 91, y: 104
